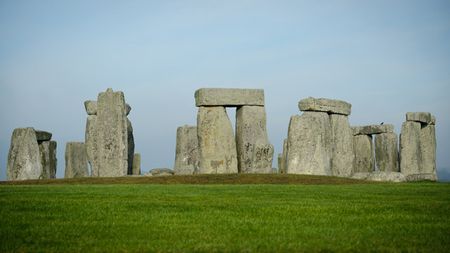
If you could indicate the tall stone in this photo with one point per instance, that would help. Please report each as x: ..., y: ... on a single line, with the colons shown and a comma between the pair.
x: 130, y: 139
x: 309, y: 144
x: 136, y: 164
x: 23, y: 157
x: 364, y: 156
x: 410, y: 148
x: 217, y: 147
x: 386, y: 152
x: 47, y: 152
x: 186, y: 153
x: 90, y: 143
x: 428, y: 149
x: 282, y: 169
x: 342, y: 155
x: 255, y: 153
x: 76, y: 160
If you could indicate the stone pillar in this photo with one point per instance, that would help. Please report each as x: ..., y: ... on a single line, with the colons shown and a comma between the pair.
x: 76, y: 160
x: 186, y: 153
x: 386, y: 152
x: 47, y: 151
x: 130, y: 139
x: 364, y: 158
x: 342, y: 154
x: 255, y: 153
x: 136, y: 164
x: 90, y: 143
x: 217, y: 147
x: 23, y: 157
x: 282, y: 169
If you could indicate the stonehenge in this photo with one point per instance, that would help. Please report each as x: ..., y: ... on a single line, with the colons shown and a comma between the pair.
x: 76, y: 160
x: 136, y: 164
x: 186, y: 152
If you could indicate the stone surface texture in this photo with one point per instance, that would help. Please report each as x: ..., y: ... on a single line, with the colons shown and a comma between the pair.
x: 47, y: 152
x: 410, y: 148
x: 364, y: 155
x: 325, y: 105
x: 187, y: 152
x: 386, y: 152
x: 161, y: 172
x: 229, y: 97
x: 23, y: 157
x: 91, y: 107
x: 136, y: 164
x: 342, y: 154
x: 423, y: 117
x: 76, y: 160
x: 380, y: 176
x: 373, y: 129
x: 90, y: 143
x: 130, y: 138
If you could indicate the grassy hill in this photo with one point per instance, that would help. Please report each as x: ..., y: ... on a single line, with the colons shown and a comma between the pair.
x: 256, y: 213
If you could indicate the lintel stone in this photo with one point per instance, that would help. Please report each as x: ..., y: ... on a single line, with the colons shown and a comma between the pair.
x: 424, y: 117
x: 229, y: 97
x: 43, y: 135
x: 373, y: 129
x: 325, y: 105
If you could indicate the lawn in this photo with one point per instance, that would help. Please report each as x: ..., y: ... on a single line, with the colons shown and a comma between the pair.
x: 346, y: 216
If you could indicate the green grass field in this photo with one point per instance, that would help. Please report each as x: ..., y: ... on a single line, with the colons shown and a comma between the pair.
x: 298, y: 214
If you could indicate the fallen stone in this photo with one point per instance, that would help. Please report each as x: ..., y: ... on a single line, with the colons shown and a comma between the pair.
x: 410, y: 148
x: 342, y: 154
x: 90, y: 143
x: 309, y: 144
x: 360, y: 175
x: 43, y: 136
x: 130, y: 138
x: 186, y: 153
x: 421, y: 177
x: 364, y: 158
x: 161, y: 172
x: 386, y: 152
x: 136, y: 164
x: 373, y: 129
x: 217, y: 146
x: 384, y: 176
x: 23, y: 157
x: 47, y: 152
x: 228, y: 97
x: 91, y: 107
x: 424, y: 117
x: 76, y: 160
x: 325, y: 105
x: 255, y: 153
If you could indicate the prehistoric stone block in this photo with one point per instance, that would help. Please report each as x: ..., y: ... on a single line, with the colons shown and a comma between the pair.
x: 309, y: 144
x: 90, y: 143
x: 428, y: 149
x: 91, y: 107
x: 255, y: 153
x: 282, y: 169
x: 130, y: 138
x: 342, y: 155
x: 186, y: 153
x: 410, y: 150
x: 386, y: 152
x: 76, y: 160
x: 380, y: 176
x: 161, y: 172
x: 136, y: 164
x: 43, y: 136
x: 23, y: 157
x: 217, y: 147
x: 373, y: 129
x: 47, y: 152
x: 325, y: 105
x: 229, y: 97
x: 364, y: 157
x: 423, y: 117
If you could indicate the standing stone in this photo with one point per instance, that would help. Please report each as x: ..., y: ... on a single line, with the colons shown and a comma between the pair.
x: 217, y: 147
x: 255, y: 153
x: 111, y: 134
x: 364, y: 158
x: 386, y: 152
x: 186, y: 153
x: 47, y: 152
x: 282, y: 169
x: 23, y: 157
x: 136, y: 164
x: 76, y: 160
x: 410, y: 148
x: 428, y: 149
x: 90, y: 143
x: 309, y: 144
x: 130, y: 139
x: 280, y: 164
x: 342, y: 155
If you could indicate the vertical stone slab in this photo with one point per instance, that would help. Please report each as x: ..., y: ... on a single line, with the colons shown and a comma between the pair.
x: 364, y: 158
x: 23, y: 157
x: 136, y: 164
x: 284, y: 157
x: 47, y: 152
x: 342, y: 154
x: 217, y: 147
x: 130, y: 140
x: 309, y: 144
x: 255, y: 153
x: 428, y: 149
x: 386, y: 152
x: 111, y: 134
x: 90, y: 143
x: 76, y: 160
x: 410, y: 148
x: 186, y: 153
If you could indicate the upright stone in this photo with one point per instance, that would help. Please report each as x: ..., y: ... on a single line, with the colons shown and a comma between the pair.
x: 186, y: 153
x: 364, y: 157
x: 255, y: 153
x: 217, y: 147
x: 76, y: 160
x: 282, y: 169
x: 309, y: 144
x: 90, y: 143
x: 137, y: 164
x: 386, y: 152
x: 47, y: 152
x: 342, y: 154
x: 111, y: 134
x: 428, y: 149
x: 228, y: 97
x: 23, y: 157
x: 331, y: 106
x: 130, y: 138
x: 410, y: 148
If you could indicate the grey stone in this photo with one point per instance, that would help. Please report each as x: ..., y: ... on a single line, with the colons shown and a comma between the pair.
x: 386, y: 152
x: 128, y: 109
x: 282, y: 170
x: 360, y: 175
x: 309, y: 144
x: 76, y: 160
x: 325, y: 105
x: 23, y: 157
x: 136, y: 164
x: 421, y: 177
x: 386, y: 176
x: 217, y: 147
x: 161, y: 172
x: 228, y: 97
x: 428, y: 149
x: 255, y: 153
x: 130, y: 138
x: 373, y: 129
x: 186, y: 153
x: 364, y: 156
x: 43, y: 136
x: 342, y: 154
x: 47, y: 152
x: 410, y: 150
x: 90, y: 143
x: 423, y: 117
x: 280, y: 163
x: 91, y: 107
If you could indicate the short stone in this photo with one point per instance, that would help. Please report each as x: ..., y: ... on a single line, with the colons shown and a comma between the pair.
x: 76, y: 160
x: 91, y: 107
x: 136, y: 164
x: 161, y: 172
x: 325, y: 105
x: 373, y: 129
x: 43, y: 135
x: 364, y: 158
x: 186, y: 152
x: 228, y: 97
x: 421, y: 177
x: 382, y: 176
x: 424, y: 117
x: 23, y: 157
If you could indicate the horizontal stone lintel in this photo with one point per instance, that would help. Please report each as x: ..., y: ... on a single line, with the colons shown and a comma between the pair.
x: 373, y: 129
x: 229, y: 97
x: 325, y: 105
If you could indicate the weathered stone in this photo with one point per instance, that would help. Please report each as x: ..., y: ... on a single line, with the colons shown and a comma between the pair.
x: 423, y: 117
x: 43, y: 136
x: 161, y: 172
x: 91, y: 107
x: 255, y: 153
x: 130, y: 139
x: 228, y: 97
x: 410, y: 150
x: 360, y: 175
x: 217, y: 147
x: 428, y: 149
x: 282, y: 169
x: 90, y: 143
x: 76, y: 161
x: 23, y: 157
x: 111, y: 134
x: 47, y: 152
x: 342, y: 155
x: 187, y: 153
x: 136, y: 164
x: 373, y: 129
x: 364, y: 157
x: 280, y: 163
x: 128, y: 109
x: 386, y: 152
x: 309, y: 144
x: 325, y: 105
x: 421, y: 177
x: 386, y: 176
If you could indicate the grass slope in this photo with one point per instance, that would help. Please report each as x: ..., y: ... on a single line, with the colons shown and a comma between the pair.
x: 217, y: 217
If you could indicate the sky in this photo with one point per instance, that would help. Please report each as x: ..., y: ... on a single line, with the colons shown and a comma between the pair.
x: 386, y: 58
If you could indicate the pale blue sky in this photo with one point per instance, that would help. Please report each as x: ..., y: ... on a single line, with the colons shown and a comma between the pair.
x: 384, y: 57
